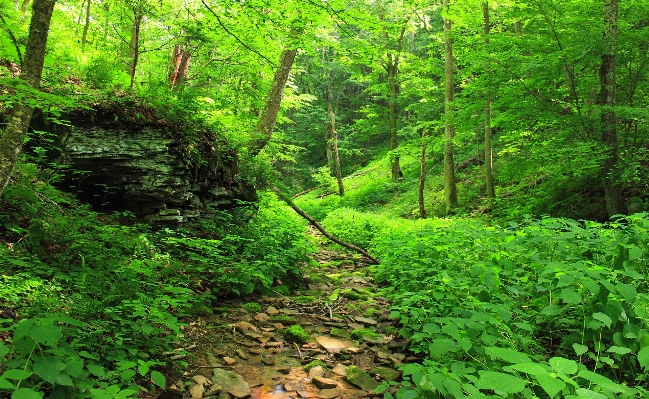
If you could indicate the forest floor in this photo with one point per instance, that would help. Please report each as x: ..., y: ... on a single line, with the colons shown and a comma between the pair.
x: 263, y: 354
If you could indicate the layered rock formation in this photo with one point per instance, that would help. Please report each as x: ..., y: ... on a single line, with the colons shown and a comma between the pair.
x: 147, y: 169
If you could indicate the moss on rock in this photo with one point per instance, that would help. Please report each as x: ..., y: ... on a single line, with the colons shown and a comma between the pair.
x: 297, y: 334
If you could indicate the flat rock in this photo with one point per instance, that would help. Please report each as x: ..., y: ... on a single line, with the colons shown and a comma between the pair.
x: 229, y: 360
x: 196, y: 391
x: 324, y: 383
x: 355, y: 326
x: 306, y: 394
x: 241, y: 354
x: 386, y: 373
x: 334, y: 324
x: 383, y: 355
x: 262, y: 317
x: 333, y: 345
x: 201, y: 379
x: 361, y: 379
x: 272, y: 310
x: 268, y: 360
x: 328, y: 393
x: 316, y: 371
x: 339, y: 369
x: 232, y: 383
x: 366, y: 320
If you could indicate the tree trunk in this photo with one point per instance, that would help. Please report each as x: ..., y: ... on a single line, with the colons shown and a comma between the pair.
x: 334, y: 134
x: 86, y: 27
x: 393, y: 70
x: 266, y: 123
x: 450, y: 189
x: 23, y: 6
x: 176, y: 58
x: 13, y: 136
x: 134, y: 46
x: 613, y: 190
x: 488, y: 150
x: 422, y: 176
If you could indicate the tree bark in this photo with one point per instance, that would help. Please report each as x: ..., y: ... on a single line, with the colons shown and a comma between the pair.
x: 613, y: 190
x: 86, y: 27
x: 266, y: 123
x: 422, y: 176
x: 488, y: 148
x: 134, y: 46
x: 13, y: 136
x: 321, y: 229
x: 450, y: 189
x: 392, y: 68
x: 334, y: 134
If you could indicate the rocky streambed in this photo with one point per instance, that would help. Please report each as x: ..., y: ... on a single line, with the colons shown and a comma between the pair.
x: 333, y: 339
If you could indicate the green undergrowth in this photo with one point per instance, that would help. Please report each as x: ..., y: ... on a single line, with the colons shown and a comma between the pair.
x: 101, y: 299
x: 545, y: 308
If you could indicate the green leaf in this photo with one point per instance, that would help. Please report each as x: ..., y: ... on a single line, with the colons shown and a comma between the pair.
x: 508, y: 355
x: 643, y: 357
x: 158, y: 379
x: 16, y: 374
x: 142, y: 369
x: 628, y: 292
x: 551, y: 385
x: 5, y: 384
x: 565, y: 366
x: 551, y: 310
x: 96, y: 370
x: 48, y: 368
x: 64, y: 379
x: 603, y: 382
x: 580, y: 349
x: 47, y: 334
x: 603, y: 318
x: 3, y: 350
x: 569, y: 295
x: 74, y: 367
x: 23, y: 328
x: 500, y: 382
x: 634, y: 252
x: 529, y: 368
x: 587, y: 393
x: 127, y: 375
x: 24, y: 393
x: 619, y: 350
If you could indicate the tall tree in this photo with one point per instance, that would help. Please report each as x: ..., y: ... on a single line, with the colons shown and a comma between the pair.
x: 450, y: 189
x: 613, y: 190
x: 13, y: 136
x: 488, y: 150
x: 392, y: 68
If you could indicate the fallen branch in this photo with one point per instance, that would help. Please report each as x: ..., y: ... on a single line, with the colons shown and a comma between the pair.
x: 361, y: 173
x: 321, y: 229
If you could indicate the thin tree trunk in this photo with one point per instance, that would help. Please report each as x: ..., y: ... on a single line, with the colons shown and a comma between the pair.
x: 134, y: 46
x: 613, y: 190
x: 488, y: 150
x: 86, y: 27
x: 393, y: 70
x: 13, y: 136
x: 176, y: 58
x: 422, y: 176
x: 334, y: 134
x: 266, y: 122
x: 24, y: 5
x: 321, y: 229
x: 450, y: 189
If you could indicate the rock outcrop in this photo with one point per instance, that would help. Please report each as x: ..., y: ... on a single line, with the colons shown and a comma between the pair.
x: 149, y: 169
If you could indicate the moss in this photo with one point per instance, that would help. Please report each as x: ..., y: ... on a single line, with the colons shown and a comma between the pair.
x: 281, y: 317
x: 200, y: 310
x: 339, y: 333
x: 359, y: 334
x: 334, y: 277
x: 297, y: 334
x: 305, y: 299
x: 252, y: 307
x: 369, y: 312
x: 315, y: 363
x: 353, y: 295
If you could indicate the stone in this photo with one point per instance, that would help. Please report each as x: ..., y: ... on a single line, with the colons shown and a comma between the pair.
x: 262, y: 317
x: 355, y: 326
x: 324, y: 383
x: 140, y: 166
x: 232, y: 383
x: 333, y: 345
x: 243, y: 326
x: 366, y: 320
x: 229, y: 360
x: 241, y: 354
x: 214, y: 389
x: 329, y: 393
x: 361, y: 379
x: 201, y: 379
x: 196, y: 391
x: 268, y: 360
x: 306, y: 394
x: 339, y: 369
x: 285, y: 370
x: 386, y: 373
x: 213, y: 361
x: 272, y: 311
x: 382, y: 355
x: 316, y: 371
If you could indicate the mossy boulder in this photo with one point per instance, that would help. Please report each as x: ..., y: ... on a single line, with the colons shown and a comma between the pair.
x: 252, y: 307
x: 297, y: 334
x: 360, y: 378
x: 315, y: 363
x: 200, y: 310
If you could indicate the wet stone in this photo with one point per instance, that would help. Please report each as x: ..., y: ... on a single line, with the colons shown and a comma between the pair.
x: 316, y: 371
x: 231, y: 383
x: 361, y: 379
x: 339, y: 369
x: 306, y: 394
x: 324, y: 383
x: 329, y: 393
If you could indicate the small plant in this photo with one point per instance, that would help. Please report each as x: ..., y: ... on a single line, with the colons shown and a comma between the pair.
x: 315, y: 363
x: 339, y: 332
x: 252, y: 307
x: 360, y: 334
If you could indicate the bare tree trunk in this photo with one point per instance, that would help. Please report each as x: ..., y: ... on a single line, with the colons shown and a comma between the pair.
x: 334, y: 134
x: 613, y: 190
x: 86, y: 27
x: 13, y: 136
x: 23, y: 6
x: 266, y: 122
x: 176, y: 58
x: 393, y: 70
x: 134, y: 46
x: 450, y: 189
x: 422, y: 176
x: 488, y: 148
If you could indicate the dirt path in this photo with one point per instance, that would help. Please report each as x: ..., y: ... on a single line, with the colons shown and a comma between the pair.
x: 298, y: 346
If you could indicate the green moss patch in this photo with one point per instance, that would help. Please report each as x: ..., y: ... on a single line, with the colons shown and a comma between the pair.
x: 360, y: 334
x: 297, y: 334
x: 252, y: 307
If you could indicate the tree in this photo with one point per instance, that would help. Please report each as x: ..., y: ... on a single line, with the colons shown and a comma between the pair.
x: 450, y: 189
x: 613, y: 190
x: 488, y: 150
x: 13, y: 136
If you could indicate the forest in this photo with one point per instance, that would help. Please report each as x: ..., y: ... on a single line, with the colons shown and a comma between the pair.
x: 327, y: 199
